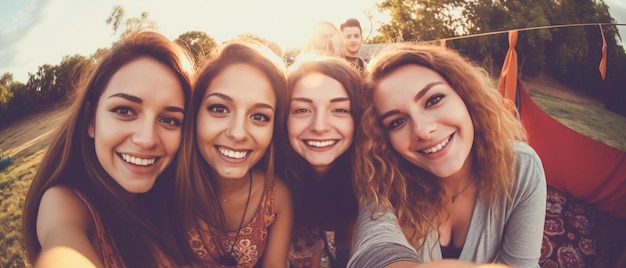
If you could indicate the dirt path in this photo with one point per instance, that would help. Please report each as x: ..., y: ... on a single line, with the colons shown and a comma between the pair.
x: 30, y: 134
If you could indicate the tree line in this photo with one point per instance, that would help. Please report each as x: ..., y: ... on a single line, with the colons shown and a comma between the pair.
x: 53, y: 85
x: 570, y: 55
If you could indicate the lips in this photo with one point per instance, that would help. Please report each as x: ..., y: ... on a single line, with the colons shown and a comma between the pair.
x: 232, y: 153
x: 320, y: 144
x: 437, y: 147
x: 137, y: 160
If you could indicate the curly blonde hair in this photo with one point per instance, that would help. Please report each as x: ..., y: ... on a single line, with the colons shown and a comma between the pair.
x: 416, y: 197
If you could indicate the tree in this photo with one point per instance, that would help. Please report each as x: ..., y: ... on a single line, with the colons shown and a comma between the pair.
x: 41, y: 85
x: 490, y: 16
x: 418, y: 20
x: 5, y: 89
x: 68, y: 74
x: 199, y: 44
x: 118, y: 18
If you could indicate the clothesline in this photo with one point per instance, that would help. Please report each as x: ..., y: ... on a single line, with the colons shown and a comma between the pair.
x: 529, y: 29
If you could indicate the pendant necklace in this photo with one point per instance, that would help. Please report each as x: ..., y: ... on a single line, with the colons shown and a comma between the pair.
x: 459, y: 193
x: 230, y: 259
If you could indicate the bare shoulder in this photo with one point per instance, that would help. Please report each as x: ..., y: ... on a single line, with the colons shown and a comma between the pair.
x: 65, y: 204
x: 65, y: 225
x: 61, y: 210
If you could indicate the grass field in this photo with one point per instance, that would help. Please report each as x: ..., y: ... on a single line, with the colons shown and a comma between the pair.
x: 598, y: 124
x: 26, y: 142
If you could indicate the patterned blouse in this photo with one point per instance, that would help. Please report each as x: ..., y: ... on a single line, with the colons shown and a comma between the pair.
x: 250, y: 245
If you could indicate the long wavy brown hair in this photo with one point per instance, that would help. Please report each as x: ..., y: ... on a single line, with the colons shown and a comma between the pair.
x: 197, y: 192
x: 330, y: 202
x: 415, y: 195
x: 71, y: 161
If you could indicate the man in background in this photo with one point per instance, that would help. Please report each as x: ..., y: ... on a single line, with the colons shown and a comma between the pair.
x: 352, y: 40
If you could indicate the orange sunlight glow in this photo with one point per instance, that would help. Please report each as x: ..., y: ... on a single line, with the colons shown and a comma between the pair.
x: 286, y: 22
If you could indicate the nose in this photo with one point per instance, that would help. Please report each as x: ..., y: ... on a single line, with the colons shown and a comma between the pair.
x: 423, y: 127
x: 237, y: 130
x: 146, y: 135
x: 320, y: 123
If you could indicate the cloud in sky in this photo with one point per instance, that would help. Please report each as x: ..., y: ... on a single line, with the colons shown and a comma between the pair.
x: 43, y: 31
x: 16, y: 21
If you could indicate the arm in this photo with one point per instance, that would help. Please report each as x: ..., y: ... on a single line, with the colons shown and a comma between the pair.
x: 280, y: 231
x: 445, y: 263
x: 380, y: 241
x: 523, y: 232
x: 62, y: 256
x: 64, y: 225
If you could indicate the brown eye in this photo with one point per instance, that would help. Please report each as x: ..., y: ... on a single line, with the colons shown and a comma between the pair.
x: 395, y: 123
x: 260, y: 117
x: 216, y: 108
x: 434, y: 100
x: 124, y: 111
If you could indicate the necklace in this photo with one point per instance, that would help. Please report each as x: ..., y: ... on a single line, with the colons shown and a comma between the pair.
x: 230, y: 259
x: 459, y: 193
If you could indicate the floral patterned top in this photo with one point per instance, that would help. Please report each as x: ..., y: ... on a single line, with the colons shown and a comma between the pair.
x: 250, y: 245
x: 110, y: 255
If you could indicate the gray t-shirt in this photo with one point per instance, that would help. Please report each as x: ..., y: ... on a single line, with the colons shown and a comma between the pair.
x: 510, y: 234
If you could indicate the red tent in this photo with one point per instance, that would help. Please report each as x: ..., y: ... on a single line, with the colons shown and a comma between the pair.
x: 591, y: 171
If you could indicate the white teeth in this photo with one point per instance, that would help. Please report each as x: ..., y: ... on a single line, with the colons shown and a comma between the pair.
x: 138, y: 161
x: 437, y: 147
x: 232, y: 154
x: 321, y: 143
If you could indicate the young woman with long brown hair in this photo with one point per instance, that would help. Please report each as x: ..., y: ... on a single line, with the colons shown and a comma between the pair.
x: 234, y: 211
x: 102, y: 191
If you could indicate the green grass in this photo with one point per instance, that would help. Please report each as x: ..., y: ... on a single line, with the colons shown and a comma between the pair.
x: 588, y: 119
x: 14, y: 182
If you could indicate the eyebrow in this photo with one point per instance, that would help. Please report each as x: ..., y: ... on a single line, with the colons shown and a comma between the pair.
x: 417, y: 97
x: 229, y: 99
x: 138, y: 100
x: 311, y: 101
x: 127, y: 97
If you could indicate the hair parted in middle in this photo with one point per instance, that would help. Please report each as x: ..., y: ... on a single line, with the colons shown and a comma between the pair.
x: 296, y: 171
x: 198, y: 192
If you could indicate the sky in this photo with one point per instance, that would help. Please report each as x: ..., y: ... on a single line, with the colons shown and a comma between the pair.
x: 37, y: 32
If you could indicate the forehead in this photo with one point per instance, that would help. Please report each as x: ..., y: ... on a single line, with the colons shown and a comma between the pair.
x: 243, y: 81
x: 349, y: 30
x: 409, y: 78
x: 144, y: 75
x: 318, y: 85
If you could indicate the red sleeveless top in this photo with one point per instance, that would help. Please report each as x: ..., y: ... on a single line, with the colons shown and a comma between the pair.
x: 250, y: 245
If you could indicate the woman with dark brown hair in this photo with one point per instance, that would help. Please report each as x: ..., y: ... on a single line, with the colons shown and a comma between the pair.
x: 103, y: 189
x: 317, y: 156
x: 235, y: 212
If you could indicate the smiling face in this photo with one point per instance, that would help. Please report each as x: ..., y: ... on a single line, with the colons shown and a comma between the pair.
x: 426, y: 121
x: 320, y: 124
x: 352, y: 40
x: 137, y: 123
x: 236, y: 119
